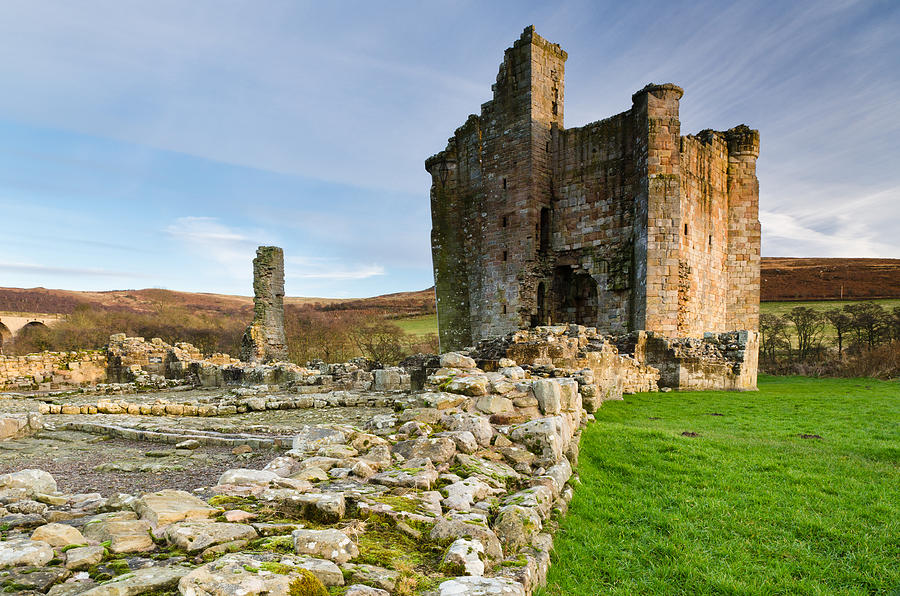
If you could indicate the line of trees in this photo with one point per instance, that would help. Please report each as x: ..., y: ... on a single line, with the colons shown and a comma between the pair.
x: 864, y: 340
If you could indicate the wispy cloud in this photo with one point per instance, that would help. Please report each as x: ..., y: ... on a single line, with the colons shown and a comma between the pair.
x: 42, y: 270
x: 308, y: 123
x: 207, y: 238
x: 328, y: 268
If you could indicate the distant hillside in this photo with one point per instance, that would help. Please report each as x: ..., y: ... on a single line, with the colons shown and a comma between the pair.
x: 829, y: 279
x: 782, y: 279
x: 42, y: 300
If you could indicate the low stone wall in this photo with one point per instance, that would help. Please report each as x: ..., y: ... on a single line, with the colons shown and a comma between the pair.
x: 20, y: 425
x: 155, y: 436
x: 225, y: 406
x: 52, y: 370
x: 605, y: 366
x: 135, y: 360
x: 718, y: 361
x: 638, y: 361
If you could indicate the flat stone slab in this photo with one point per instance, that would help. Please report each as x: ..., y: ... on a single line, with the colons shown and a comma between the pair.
x: 169, y: 506
x: 33, y: 481
x: 58, y: 535
x: 84, y: 557
x: 481, y: 586
x: 251, y: 574
x: 328, y: 544
x: 30, y: 578
x: 124, y: 536
x: 141, y: 581
x: 195, y: 536
x: 313, y: 438
x: 23, y: 551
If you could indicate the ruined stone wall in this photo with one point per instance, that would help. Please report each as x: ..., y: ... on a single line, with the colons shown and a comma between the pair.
x: 743, y: 229
x: 264, y: 339
x: 52, y: 370
x: 718, y: 361
x: 607, y: 366
x: 593, y: 218
x: 488, y: 189
x: 622, y: 224
x: 702, y: 279
x: 133, y: 359
x: 656, y: 112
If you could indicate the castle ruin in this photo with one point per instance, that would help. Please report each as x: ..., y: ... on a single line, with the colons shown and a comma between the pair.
x: 622, y: 224
x: 264, y: 339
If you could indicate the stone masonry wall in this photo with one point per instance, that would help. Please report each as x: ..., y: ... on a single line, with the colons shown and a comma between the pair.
x: 52, y: 370
x: 264, y: 339
x: 702, y: 280
x: 622, y: 224
x: 743, y: 229
x: 607, y: 366
x: 593, y: 215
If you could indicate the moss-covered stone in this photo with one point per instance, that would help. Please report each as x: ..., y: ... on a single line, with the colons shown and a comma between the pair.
x: 307, y: 584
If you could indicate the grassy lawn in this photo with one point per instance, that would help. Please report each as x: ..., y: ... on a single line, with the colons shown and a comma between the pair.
x: 745, y: 507
x: 420, y: 325
x: 782, y: 308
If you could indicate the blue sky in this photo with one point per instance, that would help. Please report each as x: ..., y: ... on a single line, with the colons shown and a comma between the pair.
x: 156, y: 144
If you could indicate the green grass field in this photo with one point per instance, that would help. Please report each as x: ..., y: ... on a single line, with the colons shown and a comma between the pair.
x: 746, y: 507
x: 425, y: 324
x: 782, y: 308
x: 421, y: 325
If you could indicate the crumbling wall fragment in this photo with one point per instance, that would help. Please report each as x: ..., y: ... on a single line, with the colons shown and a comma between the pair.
x: 264, y: 339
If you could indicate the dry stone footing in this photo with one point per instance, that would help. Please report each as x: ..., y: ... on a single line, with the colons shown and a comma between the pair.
x: 175, y: 438
x: 225, y: 405
x: 606, y: 366
x: 447, y: 478
x: 20, y: 425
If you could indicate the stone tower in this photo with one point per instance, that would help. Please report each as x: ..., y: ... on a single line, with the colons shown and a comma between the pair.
x: 622, y: 224
x: 264, y: 339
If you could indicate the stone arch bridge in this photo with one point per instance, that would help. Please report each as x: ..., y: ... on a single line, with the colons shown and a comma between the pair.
x: 11, y: 323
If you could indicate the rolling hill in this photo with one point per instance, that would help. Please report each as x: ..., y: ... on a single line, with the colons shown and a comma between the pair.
x: 783, y: 279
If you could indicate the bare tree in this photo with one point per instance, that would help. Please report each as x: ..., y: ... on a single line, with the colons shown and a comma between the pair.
x: 808, y: 323
x: 381, y: 341
x: 895, y: 323
x: 773, y: 336
x: 842, y: 323
x: 870, y: 322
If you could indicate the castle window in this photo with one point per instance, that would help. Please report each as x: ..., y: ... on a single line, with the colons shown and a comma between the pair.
x: 685, y: 230
x: 504, y: 183
x: 505, y: 256
x: 504, y: 309
x: 505, y: 221
x: 710, y: 240
x: 548, y: 147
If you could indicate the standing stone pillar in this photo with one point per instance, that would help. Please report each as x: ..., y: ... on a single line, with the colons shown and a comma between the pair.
x: 264, y: 339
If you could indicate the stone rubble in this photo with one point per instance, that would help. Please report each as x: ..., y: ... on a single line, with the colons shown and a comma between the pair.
x: 464, y: 486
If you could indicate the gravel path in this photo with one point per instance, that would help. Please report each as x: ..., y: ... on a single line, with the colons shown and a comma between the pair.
x: 73, y: 459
